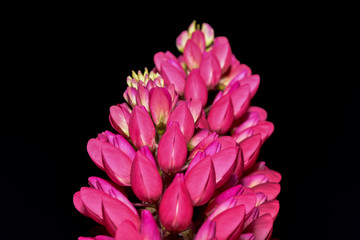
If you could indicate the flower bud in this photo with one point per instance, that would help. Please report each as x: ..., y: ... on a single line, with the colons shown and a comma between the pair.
x: 221, y: 115
x: 210, y: 70
x: 200, y: 181
x: 173, y: 75
x: 206, y: 231
x: 116, y: 212
x: 192, y: 54
x: 250, y: 148
x: 149, y: 229
x: 240, y: 98
x: 176, y: 210
x: 127, y: 231
x: 172, y: 149
x: 261, y: 227
x: 222, y: 51
x: 142, y: 97
x: 183, y: 116
x: 181, y: 40
x: 208, y: 33
x: 199, y: 39
x: 145, y: 179
x: 271, y: 207
x: 117, y: 165
x: 120, y: 117
x: 195, y: 87
x: 224, y: 163
x: 160, y: 105
x: 141, y: 128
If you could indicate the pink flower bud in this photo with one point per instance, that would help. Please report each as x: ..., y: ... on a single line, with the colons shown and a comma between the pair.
x: 261, y: 227
x: 271, y: 207
x: 206, y: 231
x: 192, y: 54
x: 116, y: 212
x: 221, y: 115
x: 94, y: 150
x: 195, y: 87
x: 199, y: 39
x: 224, y: 163
x: 117, y: 164
x: 240, y: 98
x: 127, y: 231
x: 172, y: 149
x: 173, y: 75
x: 202, y: 123
x: 253, y: 180
x: 141, y: 128
x: 145, y: 179
x: 202, y: 145
x: 222, y: 51
x: 210, y: 70
x: 229, y: 223
x: 195, y: 106
x: 224, y: 196
x: 271, y: 190
x: 88, y: 202
x: 181, y: 40
x: 142, y: 97
x: 236, y: 73
x: 247, y: 199
x: 160, y: 58
x: 208, y: 33
x: 198, y: 137
x: 200, y: 181
x: 149, y: 229
x: 130, y: 96
x: 120, y: 117
x: 160, y: 105
x: 176, y: 210
x: 183, y: 116
x: 250, y: 148
x: 108, y: 188
x: 253, y: 82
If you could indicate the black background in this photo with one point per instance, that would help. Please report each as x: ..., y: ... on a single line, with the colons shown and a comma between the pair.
x: 66, y: 65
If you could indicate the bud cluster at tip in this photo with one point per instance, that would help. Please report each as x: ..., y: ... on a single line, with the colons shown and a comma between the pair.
x: 183, y: 163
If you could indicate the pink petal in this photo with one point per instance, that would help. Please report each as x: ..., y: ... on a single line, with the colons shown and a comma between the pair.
x: 195, y: 87
x: 141, y: 128
x: 224, y: 196
x: 192, y: 54
x: 176, y: 208
x: 199, y: 39
x: 149, y: 229
x: 79, y: 205
x: 271, y: 207
x: 226, y: 142
x: 208, y: 33
x: 142, y: 98
x: 198, y: 137
x: 229, y: 224
x: 271, y: 190
x: 221, y: 115
x: 240, y: 100
x: 253, y: 180
x: 127, y: 231
x: 200, y: 181
x: 116, y: 164
x: 94, y: 150
x: 92, y: 199
x: 222, y: 51
x: 119, y: 118
x: 196, y: 108
x: 247, y: 236
x: 210, y: 70
x: 262, y: 113
x: 172, y: 149
x: 145, y: 179
x: 160, y: 105
x: 272, y: 175
x: 108, y: 188
x: 253, y: 82
x: 250, y: 148
x: 224, y: 163
x: 172, y: 75
x: 261, y: 227
x: 248, y: 199
x: 181, y: 40
x: 183, y: 116
x: 206, y: 231
x: 116, y: 212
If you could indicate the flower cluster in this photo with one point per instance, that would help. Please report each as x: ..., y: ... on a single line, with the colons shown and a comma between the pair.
x: 182, y: 164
